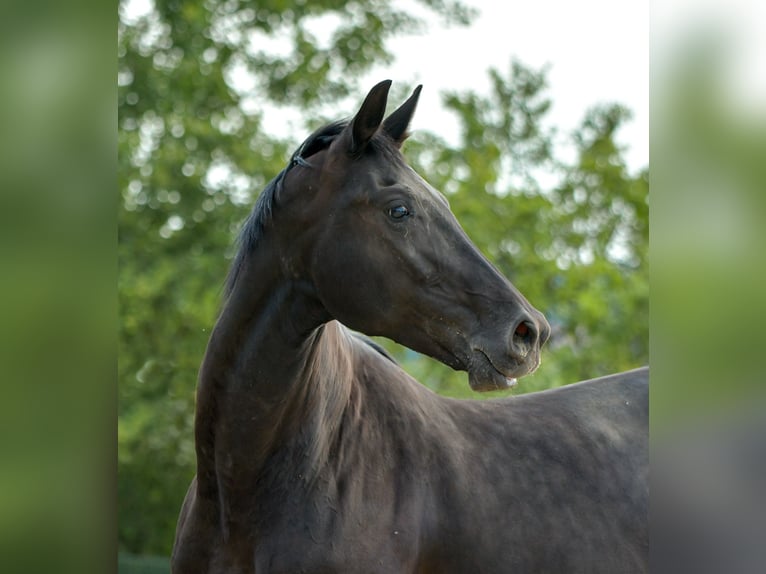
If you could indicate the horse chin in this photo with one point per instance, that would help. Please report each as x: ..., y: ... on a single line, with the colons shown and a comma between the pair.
x: 492, y: 381
x: 484, y: 376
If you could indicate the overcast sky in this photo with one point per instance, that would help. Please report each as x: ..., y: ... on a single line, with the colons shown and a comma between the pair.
x: 598, y: 51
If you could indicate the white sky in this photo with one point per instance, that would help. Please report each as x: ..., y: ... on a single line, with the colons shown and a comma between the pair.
x: 598, y: 51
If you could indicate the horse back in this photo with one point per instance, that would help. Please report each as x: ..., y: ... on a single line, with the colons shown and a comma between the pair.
x: 561, y: 475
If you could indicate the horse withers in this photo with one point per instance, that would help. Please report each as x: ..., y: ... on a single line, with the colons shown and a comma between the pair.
x: 317, y: 453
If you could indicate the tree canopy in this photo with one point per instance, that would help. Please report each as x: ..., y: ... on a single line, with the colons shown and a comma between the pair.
x: 194, y: 153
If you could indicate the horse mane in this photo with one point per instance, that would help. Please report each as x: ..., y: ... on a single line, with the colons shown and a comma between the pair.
x: 375, y: 346
x: 252, y: 228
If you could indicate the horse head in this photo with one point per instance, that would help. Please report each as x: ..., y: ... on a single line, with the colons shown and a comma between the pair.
x: 381, y: 251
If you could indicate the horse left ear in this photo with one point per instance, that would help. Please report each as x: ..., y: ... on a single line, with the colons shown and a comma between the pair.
x: 367, y: 120
x: 397, y: 123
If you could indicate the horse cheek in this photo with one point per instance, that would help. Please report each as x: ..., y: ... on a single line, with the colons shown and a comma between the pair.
x: 348, y: 286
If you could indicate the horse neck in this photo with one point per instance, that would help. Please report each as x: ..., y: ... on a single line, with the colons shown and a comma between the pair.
x: 274, y: 374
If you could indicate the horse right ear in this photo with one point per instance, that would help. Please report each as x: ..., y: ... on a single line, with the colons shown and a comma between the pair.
x: 397, y: 123
x: 369, y: 117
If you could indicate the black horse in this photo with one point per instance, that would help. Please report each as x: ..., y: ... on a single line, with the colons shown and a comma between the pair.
x: 317, y: 453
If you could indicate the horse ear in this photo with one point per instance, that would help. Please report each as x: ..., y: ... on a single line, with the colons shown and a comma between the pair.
x: 367, y: 120
x: 397, y: 123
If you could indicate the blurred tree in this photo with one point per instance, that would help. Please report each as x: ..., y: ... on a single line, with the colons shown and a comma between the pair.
x: 196, y: 83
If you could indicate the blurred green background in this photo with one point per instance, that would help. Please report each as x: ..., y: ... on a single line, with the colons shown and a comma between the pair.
x: 569, y: 230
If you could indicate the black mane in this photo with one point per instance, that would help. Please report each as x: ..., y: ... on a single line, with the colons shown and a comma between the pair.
x: 252, y: 228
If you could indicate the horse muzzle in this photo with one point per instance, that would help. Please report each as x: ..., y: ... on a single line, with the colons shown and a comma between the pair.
x: 496, y: 363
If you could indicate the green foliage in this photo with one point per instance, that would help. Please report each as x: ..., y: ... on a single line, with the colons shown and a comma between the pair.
x: 192, y: 156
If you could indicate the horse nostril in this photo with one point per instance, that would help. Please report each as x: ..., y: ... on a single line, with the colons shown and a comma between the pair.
x: 524, y: 339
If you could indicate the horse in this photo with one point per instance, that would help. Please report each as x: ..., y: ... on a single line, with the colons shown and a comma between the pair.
x: 317, y: 453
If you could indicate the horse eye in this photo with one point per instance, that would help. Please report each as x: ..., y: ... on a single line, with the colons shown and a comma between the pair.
x: 398, y: 212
